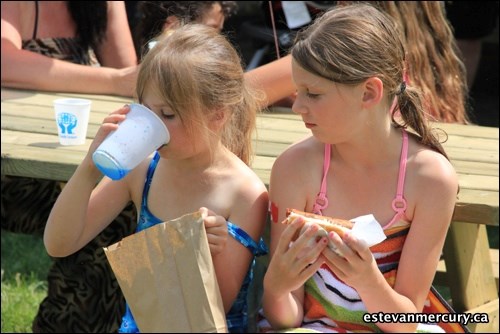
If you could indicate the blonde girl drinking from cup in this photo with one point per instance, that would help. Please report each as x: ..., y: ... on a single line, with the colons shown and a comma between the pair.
x: 348, y: 67
x: 193, y: 81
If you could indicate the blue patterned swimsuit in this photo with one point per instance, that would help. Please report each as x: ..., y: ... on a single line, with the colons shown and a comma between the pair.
x: 237, y: 317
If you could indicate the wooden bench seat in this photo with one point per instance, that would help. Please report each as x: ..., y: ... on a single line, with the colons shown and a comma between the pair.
x: 441, y: 278
x: 491, y: 309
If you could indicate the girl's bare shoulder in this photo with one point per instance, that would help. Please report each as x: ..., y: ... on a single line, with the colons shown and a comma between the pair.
x: 301, y: 155
x: 428, y: 167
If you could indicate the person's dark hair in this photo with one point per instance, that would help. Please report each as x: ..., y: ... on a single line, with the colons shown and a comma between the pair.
x: 91, y: 18
x: 352, y: 43
x: 152, y: 15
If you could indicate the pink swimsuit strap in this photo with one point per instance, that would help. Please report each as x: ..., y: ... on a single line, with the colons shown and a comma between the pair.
x: 321, y: 202
x: 398, y: 203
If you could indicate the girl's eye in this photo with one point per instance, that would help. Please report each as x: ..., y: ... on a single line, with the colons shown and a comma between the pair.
x: 312, y: 96
x: 168, y: 116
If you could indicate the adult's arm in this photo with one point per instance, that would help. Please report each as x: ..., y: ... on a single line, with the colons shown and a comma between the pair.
x: 117, y: 50
x: 28, y: 70
x: 274, y: 78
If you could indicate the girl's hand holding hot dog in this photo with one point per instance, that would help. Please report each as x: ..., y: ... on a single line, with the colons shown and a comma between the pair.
x: 294, y: 264
x: 347, y: 256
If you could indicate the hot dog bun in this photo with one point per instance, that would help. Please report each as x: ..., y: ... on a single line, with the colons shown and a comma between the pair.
x: 340, y: 226
x: 327, y: 224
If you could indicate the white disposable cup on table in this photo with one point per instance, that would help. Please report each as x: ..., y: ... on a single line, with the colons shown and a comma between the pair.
x: 72, y: 119
x: 140, y: 134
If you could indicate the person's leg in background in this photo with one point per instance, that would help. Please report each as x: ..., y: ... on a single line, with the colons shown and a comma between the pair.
x: 83, y: 294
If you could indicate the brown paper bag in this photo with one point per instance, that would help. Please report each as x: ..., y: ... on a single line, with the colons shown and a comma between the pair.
x: 167, y: 276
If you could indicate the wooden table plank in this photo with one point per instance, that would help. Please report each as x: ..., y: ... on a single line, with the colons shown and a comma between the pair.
x: 473, y: 176
x: 273, y: 147
x: 37, y: 162
x: 44, y: 126
x: 290, y: 120
x: 29, y: 134
x: 281, y: 131
x: 38, y: 151
x: 475, y: 168
x: 465, y: 149
x: 289, y: 129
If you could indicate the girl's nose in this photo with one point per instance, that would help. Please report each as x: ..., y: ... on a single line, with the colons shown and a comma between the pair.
x: 298, y: 107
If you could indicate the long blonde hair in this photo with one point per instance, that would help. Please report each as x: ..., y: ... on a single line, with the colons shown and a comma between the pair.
x: 349, y: 44
x: 197, y: 72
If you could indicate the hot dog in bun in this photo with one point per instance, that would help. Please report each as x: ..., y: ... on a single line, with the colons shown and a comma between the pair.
x: 326, y: 224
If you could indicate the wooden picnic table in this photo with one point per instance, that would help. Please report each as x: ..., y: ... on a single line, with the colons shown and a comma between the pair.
x: 30, y: 148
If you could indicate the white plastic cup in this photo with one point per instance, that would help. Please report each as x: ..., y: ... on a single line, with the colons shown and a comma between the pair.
x: 72, y: 119
x: 140, y: 134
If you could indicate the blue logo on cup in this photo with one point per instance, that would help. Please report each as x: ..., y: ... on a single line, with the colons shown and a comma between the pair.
x: 67, y: 122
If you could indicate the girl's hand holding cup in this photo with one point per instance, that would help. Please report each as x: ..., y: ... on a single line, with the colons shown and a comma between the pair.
x: 122, y: 147
x: 109, y: 124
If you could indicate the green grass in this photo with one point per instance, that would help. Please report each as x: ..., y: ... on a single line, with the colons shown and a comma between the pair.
x: 25, y: 265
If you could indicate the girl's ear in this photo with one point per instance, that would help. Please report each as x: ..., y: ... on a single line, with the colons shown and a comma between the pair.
x: 218, y: 119
x: 373, y: 92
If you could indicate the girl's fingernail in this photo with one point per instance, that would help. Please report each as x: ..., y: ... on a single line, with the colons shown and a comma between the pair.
x: 313, y: 229
x: 347, y: 238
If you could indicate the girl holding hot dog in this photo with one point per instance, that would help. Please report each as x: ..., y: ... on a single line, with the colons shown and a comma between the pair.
x: 370, y: 152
